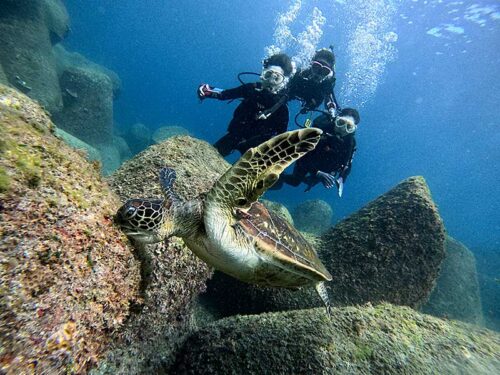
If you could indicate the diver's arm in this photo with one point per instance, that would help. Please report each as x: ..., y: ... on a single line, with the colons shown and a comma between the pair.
x: 206, y: 91
x: 347, y: 162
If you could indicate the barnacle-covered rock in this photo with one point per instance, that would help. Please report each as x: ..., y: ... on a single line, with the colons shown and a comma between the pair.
x: 456, y: 294
x: 390, y: 250
x: 172, y: 275
x: 68, y: 275
x: 384, y: 339
x: 313, y: 216
x: 165, y: 132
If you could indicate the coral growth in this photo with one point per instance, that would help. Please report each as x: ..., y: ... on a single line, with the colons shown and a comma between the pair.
x: 68, y: 275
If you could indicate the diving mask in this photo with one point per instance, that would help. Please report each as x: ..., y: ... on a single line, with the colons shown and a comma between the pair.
x: 345, y: 125
x: 320, y: 69
x: 273, y: 78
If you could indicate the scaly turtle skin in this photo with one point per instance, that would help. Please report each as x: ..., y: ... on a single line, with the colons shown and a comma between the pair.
x: 229, y: 229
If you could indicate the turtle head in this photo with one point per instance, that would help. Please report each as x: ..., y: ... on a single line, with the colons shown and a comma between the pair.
x: 147, y: 221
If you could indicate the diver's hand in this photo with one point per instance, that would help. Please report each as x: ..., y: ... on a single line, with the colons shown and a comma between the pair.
x: 326, y: 179
x: 332, y: 112
x: 207, y: 91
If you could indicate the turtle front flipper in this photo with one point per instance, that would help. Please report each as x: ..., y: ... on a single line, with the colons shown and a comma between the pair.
x: 260, y: 167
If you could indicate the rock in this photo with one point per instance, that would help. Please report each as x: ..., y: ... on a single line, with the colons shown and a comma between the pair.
x: 56, y: 19
x: 122, y: 147
x: 88, y: 105
x: 390, y: 250
x: 26, y: 51
x: 68, y: 275
x: 66, y: 60
x: 356, y: 340
x: 138, y: 138
x: 313, y: 216
x: 456, y: 294
x: 91, y: 152
x: 173, y: 275
x: 111, y: 159
x: 488, y: 266
x: 279, y: 209
x: 165, y: 132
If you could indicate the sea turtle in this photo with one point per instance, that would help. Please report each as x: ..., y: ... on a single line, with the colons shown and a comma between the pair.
x: 228, y: 228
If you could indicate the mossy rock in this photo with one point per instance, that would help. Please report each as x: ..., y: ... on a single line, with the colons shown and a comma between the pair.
x: 56, y: 19
x: 390, y: 250
x: 456, y: 294
x: 68, y: 275
x: 3, y: 77
x: 384, y: 339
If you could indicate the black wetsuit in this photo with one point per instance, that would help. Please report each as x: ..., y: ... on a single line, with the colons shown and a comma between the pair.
x: 245, y: 130
x: 310, y: 92
x: 333, y: 154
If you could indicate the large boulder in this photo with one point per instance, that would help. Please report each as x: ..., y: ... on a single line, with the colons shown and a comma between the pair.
x: 390, y: 250
x: 456, y: 294
x: 138, y: 137
x: 66, y: 60
x: 26, y: 51
x: 313, y: 216
x: 88, y: 105
x: 488, y: 264
x: 172, y: 275
x: 356, y: 340
x: 56, y: 19
x: 68, y: 275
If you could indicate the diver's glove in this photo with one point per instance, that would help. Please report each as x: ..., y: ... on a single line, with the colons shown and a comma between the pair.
x: 326, y: 179
x: 207, y: 91
x: 333, y: 112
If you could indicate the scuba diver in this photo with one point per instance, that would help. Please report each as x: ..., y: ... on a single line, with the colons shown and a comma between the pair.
x: 315, y: 84
x: 263, y: 112
x: 330, y: 162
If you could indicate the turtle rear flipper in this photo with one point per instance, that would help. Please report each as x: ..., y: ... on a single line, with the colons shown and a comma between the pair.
x: 260, y: 167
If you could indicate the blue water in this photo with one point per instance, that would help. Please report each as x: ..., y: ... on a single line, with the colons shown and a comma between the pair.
x: 429, y: 100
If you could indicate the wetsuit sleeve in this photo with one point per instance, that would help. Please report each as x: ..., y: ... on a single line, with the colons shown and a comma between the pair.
x: 330, y: 99
x: 347, y: 162
x: 243, y: 91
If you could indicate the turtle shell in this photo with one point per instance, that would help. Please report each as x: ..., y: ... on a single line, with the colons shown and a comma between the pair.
x: 276, y: 238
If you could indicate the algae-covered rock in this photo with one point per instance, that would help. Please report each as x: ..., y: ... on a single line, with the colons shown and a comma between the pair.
x: 173, y: 275
x: 356, y: 340
x: 122, y: 146
x: 26, y: 51
x: 313, y: 216
x: 88, y: 105
x: 488, y: 267
x: 165, y: 132
x: 456, y: 294
x: 390, y: 250
x: 68, y: 275
x: 92, y: 153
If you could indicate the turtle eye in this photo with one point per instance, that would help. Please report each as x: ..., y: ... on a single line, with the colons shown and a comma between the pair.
x: 129, y: 212
x: 241, y: 202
